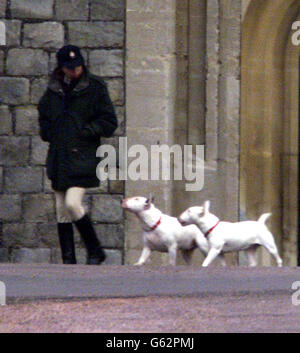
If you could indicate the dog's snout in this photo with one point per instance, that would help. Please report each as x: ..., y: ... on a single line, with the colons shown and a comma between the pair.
x: 181, y: 221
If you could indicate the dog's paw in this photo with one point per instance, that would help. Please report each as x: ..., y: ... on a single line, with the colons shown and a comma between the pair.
x: 137, y: 264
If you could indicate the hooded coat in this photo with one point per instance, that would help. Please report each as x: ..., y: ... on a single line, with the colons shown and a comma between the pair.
x: 73, y: 124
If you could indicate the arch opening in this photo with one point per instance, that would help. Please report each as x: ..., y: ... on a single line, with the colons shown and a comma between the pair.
x: 269, y: 121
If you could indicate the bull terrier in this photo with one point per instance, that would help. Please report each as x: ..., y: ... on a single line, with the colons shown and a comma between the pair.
x: 164, y: 233
x: 227, y: 236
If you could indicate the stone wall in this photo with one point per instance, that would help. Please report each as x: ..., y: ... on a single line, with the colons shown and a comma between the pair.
x: 150, y: 101
x: 35, y: 30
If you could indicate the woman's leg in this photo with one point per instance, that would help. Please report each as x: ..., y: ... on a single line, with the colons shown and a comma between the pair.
x: 65, y: 229
x: 73, y: 202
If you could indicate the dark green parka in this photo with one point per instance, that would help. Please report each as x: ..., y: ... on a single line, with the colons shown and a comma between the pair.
x: 73, y: 124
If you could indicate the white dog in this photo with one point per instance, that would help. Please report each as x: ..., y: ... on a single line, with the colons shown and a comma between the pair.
x: 226, y: 236
x: 164, y: 233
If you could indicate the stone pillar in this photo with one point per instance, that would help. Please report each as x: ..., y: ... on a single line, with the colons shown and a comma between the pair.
x: 150, y: 100
x: 190, y: 100
x: 223, y: 102
x: 229, y: 106
x: 223, y: 32
x: 229, y: 111
x: 212, y: 79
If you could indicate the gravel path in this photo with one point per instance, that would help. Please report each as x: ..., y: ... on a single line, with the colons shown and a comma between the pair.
x: 274, y: 313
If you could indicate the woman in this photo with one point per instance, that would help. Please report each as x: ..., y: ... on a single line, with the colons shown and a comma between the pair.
x: 74, y: 113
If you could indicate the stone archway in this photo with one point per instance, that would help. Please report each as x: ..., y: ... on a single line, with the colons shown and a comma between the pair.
x: 269, y: 120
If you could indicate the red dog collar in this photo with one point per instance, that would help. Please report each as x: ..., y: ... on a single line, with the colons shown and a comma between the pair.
x: 211, y: 229
x: 156, y: 224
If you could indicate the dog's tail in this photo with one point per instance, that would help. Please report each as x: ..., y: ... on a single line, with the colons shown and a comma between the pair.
x: 263, y: 218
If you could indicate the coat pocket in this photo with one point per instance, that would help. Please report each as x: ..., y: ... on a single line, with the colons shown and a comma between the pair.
x: 83, y: 161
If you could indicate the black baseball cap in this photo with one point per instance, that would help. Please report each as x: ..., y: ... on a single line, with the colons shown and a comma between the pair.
x: 69, y: 56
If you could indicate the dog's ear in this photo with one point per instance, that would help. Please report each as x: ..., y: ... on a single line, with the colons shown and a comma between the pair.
x: 148, y: 202
x: 206, y: 206
x: 150, y: 199
x: 201, y: 211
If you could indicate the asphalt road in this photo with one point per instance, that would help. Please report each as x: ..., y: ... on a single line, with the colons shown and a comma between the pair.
x: 79, y: 298
x: 28, y: 282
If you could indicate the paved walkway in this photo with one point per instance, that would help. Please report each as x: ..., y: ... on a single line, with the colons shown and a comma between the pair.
x: 28, y: 282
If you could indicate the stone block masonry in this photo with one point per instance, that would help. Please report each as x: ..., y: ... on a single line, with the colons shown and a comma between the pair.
x: 35, y: 30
